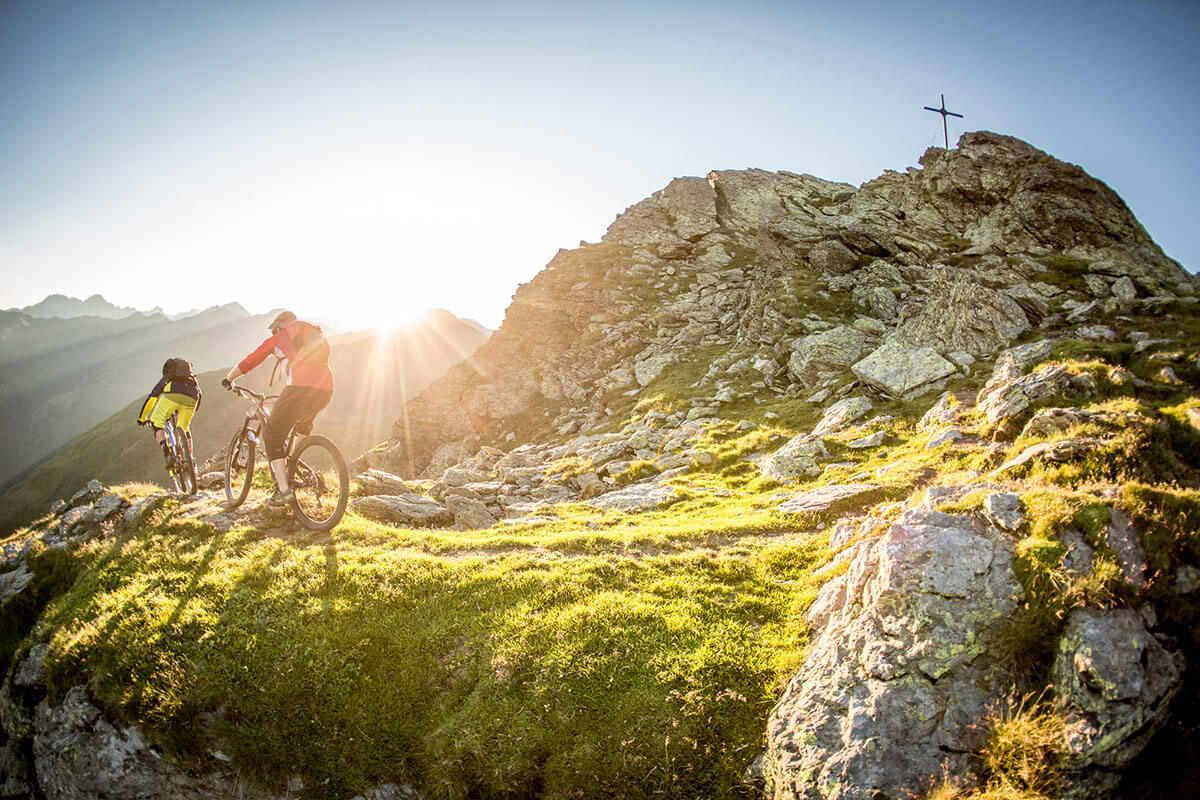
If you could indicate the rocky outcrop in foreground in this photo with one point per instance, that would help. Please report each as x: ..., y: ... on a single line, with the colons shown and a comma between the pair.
x: 910, y: 659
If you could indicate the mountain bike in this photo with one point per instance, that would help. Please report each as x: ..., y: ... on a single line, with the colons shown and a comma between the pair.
x: 183, y: 473
x: 316, y: 469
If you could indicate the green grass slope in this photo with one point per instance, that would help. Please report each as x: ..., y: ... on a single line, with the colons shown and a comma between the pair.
x: 586, y: 654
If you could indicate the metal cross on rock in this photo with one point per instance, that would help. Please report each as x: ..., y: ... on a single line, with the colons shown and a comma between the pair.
x: 944, y: 113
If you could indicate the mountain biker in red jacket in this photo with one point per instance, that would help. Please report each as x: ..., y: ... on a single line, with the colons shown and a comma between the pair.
x: 308, y: 389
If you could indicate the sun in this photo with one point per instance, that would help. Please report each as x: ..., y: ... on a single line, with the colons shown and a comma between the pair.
x: 381, y: 312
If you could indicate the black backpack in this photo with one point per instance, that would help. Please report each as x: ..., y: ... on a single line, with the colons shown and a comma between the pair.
x: 178, y: 368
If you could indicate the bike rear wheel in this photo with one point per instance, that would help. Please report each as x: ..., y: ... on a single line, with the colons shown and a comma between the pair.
x: 239, y: 468
x: 318, y: 477
x: 183, y: 474
x: 186, y: 467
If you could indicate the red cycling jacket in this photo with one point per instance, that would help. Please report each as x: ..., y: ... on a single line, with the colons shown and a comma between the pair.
x: 298, y: 372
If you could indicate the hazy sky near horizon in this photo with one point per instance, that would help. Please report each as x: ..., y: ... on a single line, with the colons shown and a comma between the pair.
x: 363, y: 159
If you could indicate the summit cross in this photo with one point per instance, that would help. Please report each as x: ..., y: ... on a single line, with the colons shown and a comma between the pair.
x: 944, y: 113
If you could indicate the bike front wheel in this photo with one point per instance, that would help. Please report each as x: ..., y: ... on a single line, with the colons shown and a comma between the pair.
x: 239, y: 468
x: 318, y: 478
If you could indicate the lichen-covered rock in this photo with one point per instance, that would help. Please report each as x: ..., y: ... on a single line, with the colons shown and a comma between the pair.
x: 469, y: 513
x: 461, y: 476
x: 1115, y: 682
x: 1011, y: 399
x: 945, y: 436
x: 960, y: 313
x: 649, y: 368
x: 748, y: 200
x: 87, y: 495
x: 899, y: 370
x: 841, y: 414
x: 79, y: 754
x: 1126, y: 541
x: 390, y: 791
x: 1003, y: 509
x: 824, y: 498
x: 1063, y: 450
x: 211, y: 481
x: 1124, y: 290
x: 878, y: 301
x: 403, y: 509
x: 1049, y: 421
x: 378, y: 481
x: 870, y: 440
x: 833, y: 349
x: 948, y: 410
x: 749, y: 260
x: 1012, y: 363
x: 639, y: 497
x: 832, y: 257
x: 1099, y: 333
x: 898, y: 674
x: 683, y: 211
x: 107, y: 506
x: 14, y: 582
x: 796, y: 459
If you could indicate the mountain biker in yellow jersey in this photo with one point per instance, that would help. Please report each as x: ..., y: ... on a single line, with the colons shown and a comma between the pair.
x: 308, y: 389
x: 175, y: 392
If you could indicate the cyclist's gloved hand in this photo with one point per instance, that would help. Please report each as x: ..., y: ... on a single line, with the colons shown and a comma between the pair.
x: 227, y: 384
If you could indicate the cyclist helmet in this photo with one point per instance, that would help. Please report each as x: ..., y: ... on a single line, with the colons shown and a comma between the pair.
x: 284, y: 318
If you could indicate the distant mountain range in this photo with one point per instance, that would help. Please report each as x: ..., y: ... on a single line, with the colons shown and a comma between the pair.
x: 63, y: 375
x: 59, y: 305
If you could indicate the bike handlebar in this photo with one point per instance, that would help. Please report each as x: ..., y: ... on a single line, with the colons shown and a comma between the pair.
x: 242, y: 391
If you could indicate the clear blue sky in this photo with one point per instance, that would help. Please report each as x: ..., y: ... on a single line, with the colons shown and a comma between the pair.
x: 367, y: 158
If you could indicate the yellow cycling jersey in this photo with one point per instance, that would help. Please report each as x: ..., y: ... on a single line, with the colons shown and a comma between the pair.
x: 163, y: 402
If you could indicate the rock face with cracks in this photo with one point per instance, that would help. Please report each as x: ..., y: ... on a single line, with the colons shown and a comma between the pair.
x: 1116, y: 680
x: 903, y: 672
x: 900, y: 672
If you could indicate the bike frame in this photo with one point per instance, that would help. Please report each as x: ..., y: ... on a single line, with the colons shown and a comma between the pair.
x: 257, y: 417
x: 169, y: 431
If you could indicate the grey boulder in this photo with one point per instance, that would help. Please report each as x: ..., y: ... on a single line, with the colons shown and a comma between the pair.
x: 902, y: 371
x: 403, y: 509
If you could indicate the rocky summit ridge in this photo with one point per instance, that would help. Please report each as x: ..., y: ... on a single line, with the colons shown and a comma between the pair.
x: 782, y: 283
x: 929, y: 449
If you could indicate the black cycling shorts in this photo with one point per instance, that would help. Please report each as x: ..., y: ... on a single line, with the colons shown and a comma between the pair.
x: 296, y: 407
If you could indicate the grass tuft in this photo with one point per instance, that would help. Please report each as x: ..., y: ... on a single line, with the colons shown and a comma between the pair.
x: 1025, y: 745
